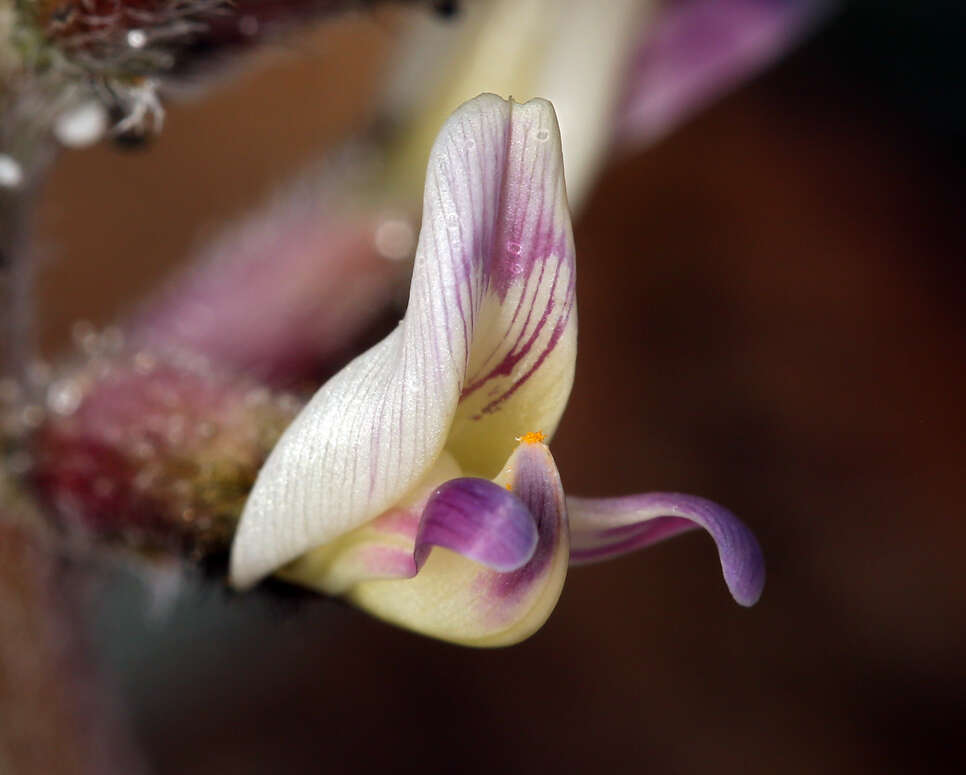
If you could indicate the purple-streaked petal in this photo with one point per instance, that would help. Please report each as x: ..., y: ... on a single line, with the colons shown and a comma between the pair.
x: 479, y: 520
x: 697, y: 49
x: 608, y: 527
x: 484, y: 354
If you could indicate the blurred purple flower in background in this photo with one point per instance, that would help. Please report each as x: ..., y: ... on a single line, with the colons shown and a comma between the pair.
x: 694, y: 50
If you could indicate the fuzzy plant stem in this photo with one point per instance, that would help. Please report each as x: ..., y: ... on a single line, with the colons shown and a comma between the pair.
x: 29, y: 96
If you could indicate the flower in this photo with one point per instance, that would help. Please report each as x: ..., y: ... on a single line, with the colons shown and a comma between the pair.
x: 417, y: 482
x: 692, y: 51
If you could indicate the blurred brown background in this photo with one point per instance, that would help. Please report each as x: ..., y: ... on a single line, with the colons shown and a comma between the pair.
x: 771, y: 316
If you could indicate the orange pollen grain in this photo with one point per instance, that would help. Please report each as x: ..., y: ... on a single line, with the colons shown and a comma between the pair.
x: 534, y: 437
x: 510, y: 487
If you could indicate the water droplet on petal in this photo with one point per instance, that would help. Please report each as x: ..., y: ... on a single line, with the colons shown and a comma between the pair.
x: 514, y: 248
x: 543, y: 135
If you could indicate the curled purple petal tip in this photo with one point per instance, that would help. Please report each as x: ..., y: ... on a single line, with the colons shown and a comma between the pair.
x: 481, y: 521
x: 605, y: 528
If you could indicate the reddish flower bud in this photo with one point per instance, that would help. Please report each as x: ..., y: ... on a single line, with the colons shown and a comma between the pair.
x: 158, y: 454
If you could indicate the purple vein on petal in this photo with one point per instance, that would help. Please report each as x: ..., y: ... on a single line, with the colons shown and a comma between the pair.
x: 373, y: 430
x: 519, y: 351
x: 608, y: 527
x: 558, y: 330
x: 481, y: 521
x: 505, y: 366
x: 525, y: 237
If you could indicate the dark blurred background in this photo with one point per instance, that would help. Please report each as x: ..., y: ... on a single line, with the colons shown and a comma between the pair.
x: 771, y: 311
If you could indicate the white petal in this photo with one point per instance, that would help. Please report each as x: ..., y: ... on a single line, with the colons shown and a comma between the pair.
x: 491, y: 312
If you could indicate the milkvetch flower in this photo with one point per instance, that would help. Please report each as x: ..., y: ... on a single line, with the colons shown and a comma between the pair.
x: 417, y: 481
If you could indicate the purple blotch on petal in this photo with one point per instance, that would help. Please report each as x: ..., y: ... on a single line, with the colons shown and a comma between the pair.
x: 609, y: 527
x: 481, y: 521
x: 537, y: 485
